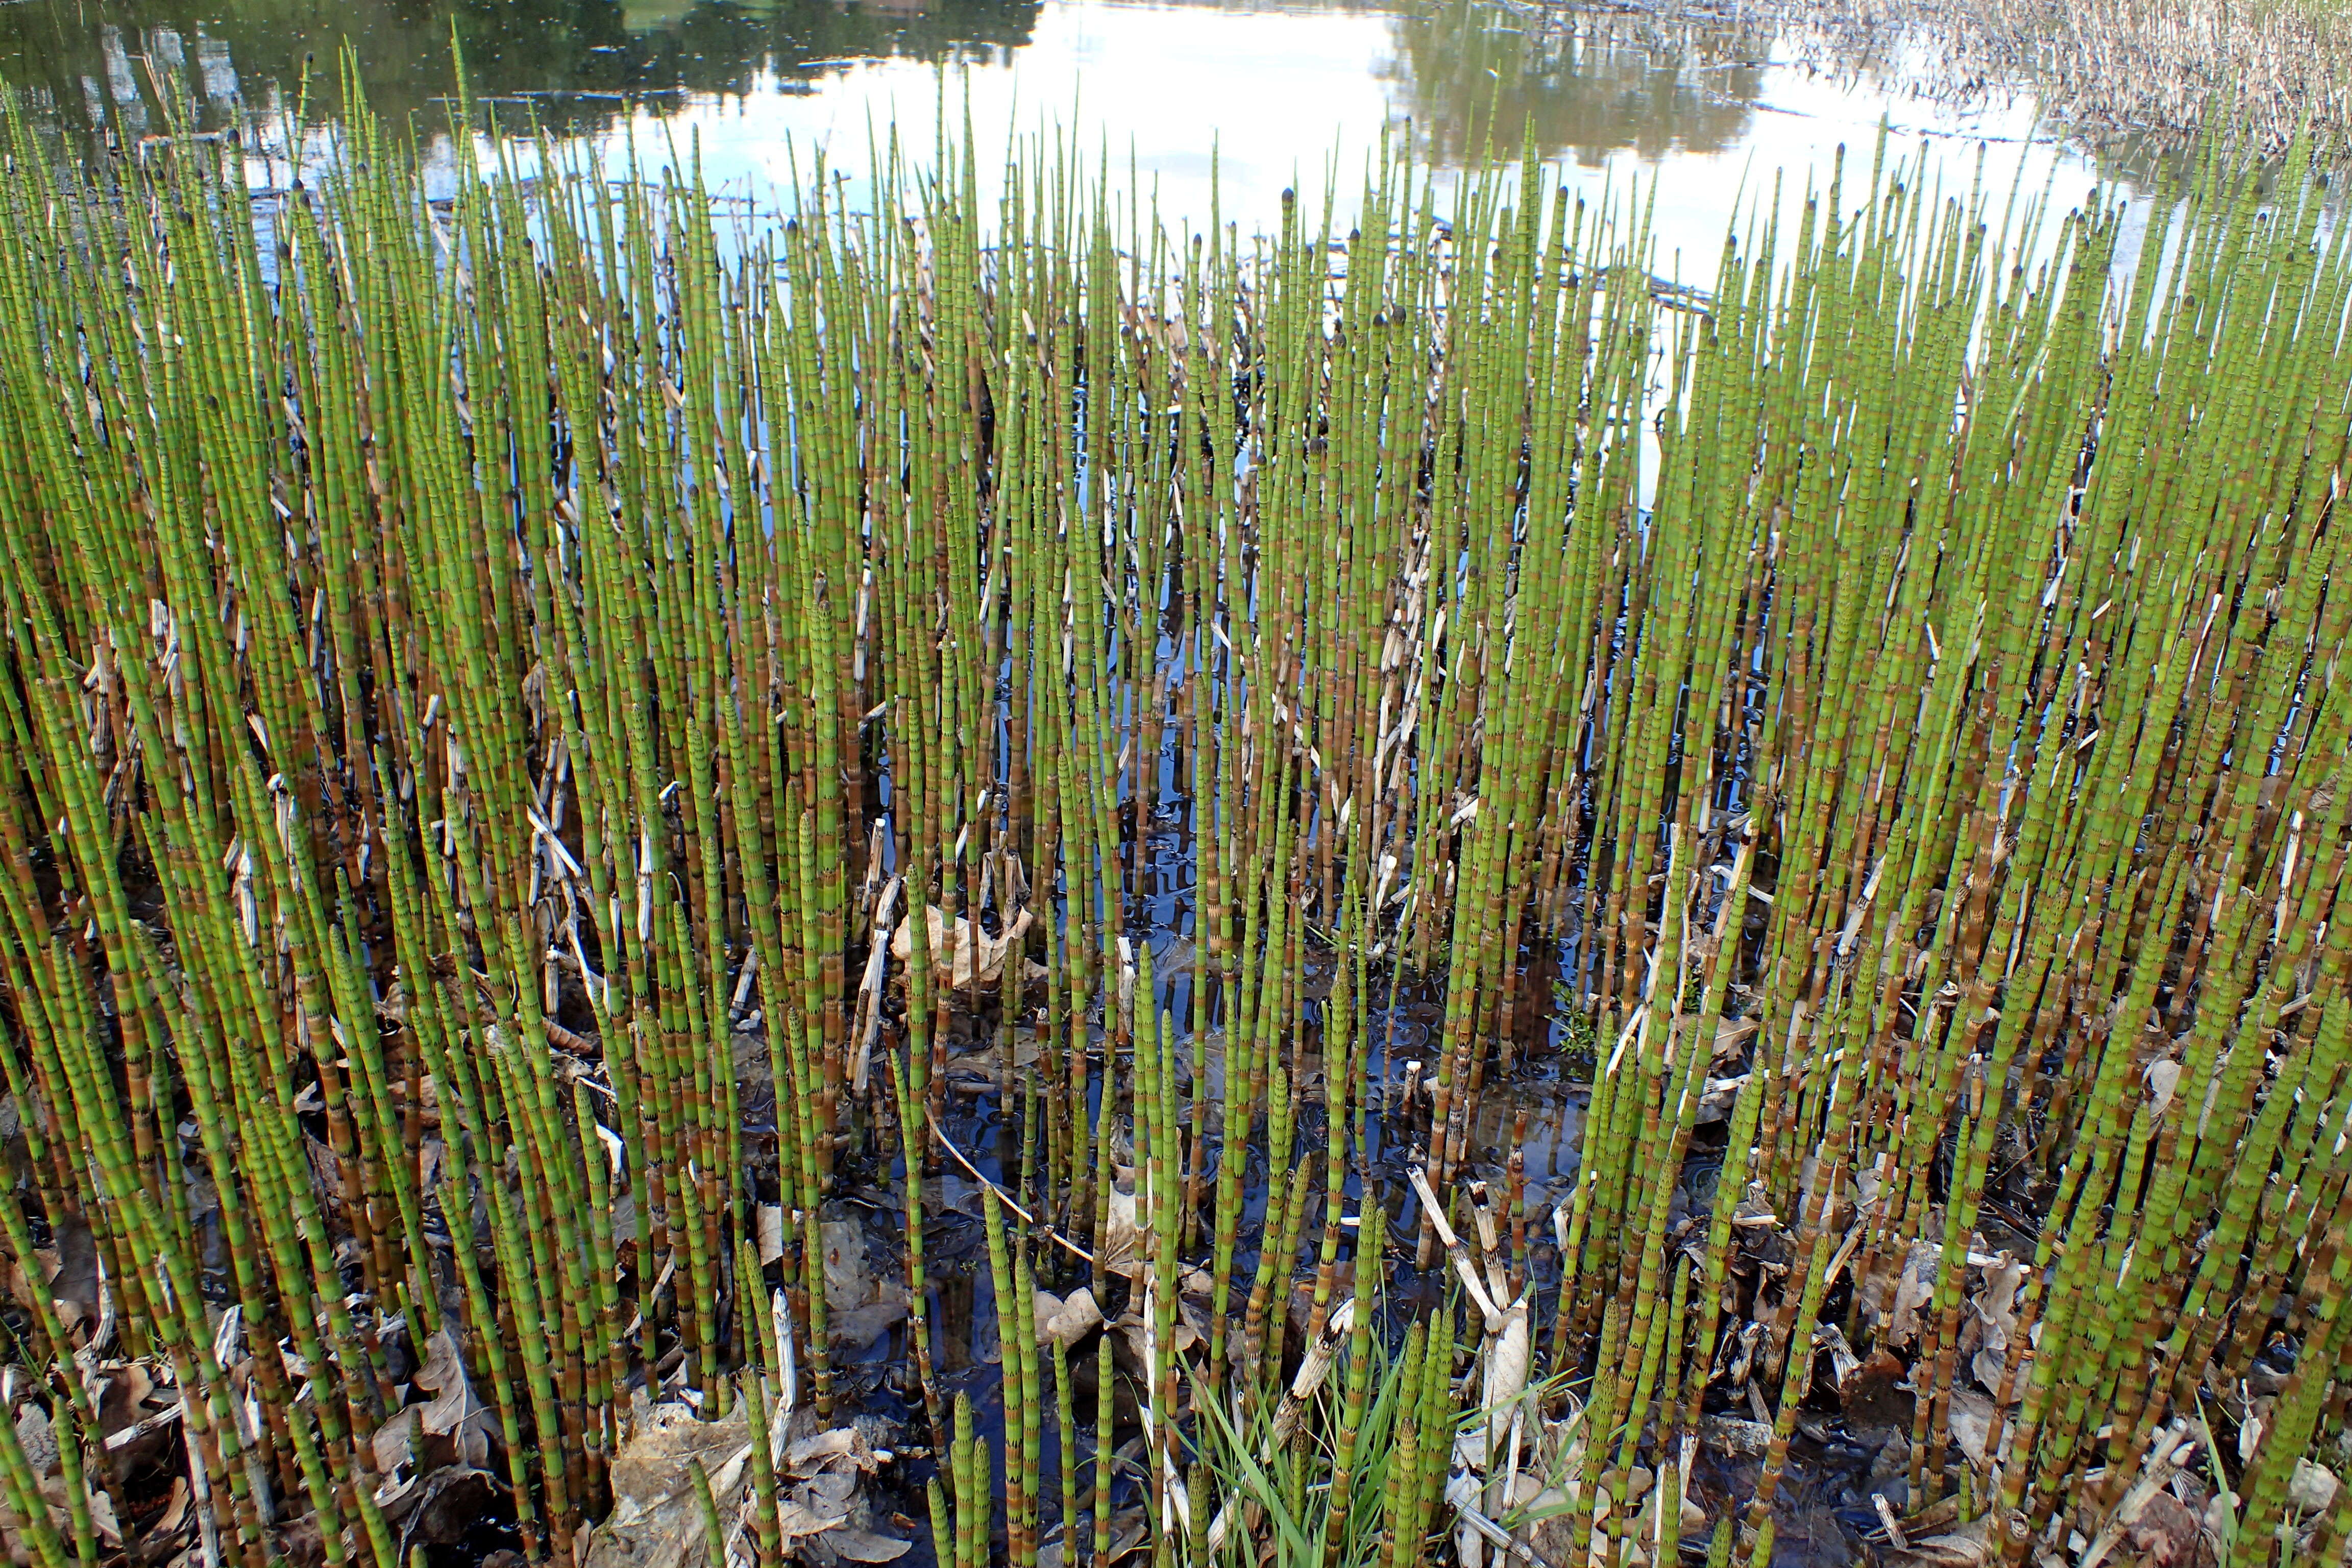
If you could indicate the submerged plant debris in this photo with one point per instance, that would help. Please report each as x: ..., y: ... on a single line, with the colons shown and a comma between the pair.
x: 966, y: 881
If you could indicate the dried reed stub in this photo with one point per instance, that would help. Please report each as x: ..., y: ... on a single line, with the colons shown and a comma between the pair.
x: 487, y: 684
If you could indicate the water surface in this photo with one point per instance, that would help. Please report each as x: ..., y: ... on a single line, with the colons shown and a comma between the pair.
x: 1216, y: 107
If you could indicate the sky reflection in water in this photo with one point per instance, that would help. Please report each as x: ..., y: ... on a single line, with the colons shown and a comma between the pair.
x: 1279, y: 96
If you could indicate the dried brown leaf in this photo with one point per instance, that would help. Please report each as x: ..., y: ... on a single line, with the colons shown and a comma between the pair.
x: 453, y: 1407
x: 1065, y: 1320
x: 1972, y: 1422
x: 829, y: 1449
x: 863, y: 1545
x: 796, y: 1518
x: 1898, y: 1314
x: 957, y: 958
x: 1994, y: 1310
x: 1123, y: 1239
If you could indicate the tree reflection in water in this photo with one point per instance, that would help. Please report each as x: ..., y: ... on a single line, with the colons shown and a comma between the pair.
x: 1583, y: 85
x: 573, y: 59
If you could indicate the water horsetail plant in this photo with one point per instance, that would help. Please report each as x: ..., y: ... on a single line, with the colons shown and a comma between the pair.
x: 935, y: 844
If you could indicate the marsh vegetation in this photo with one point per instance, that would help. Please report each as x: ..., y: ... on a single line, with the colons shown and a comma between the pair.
x: 881, y: 885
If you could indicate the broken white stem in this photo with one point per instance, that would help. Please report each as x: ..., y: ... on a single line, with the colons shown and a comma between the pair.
x: 869, y: 989
x: 1462, y: 1492
x: 1453, y: 1249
